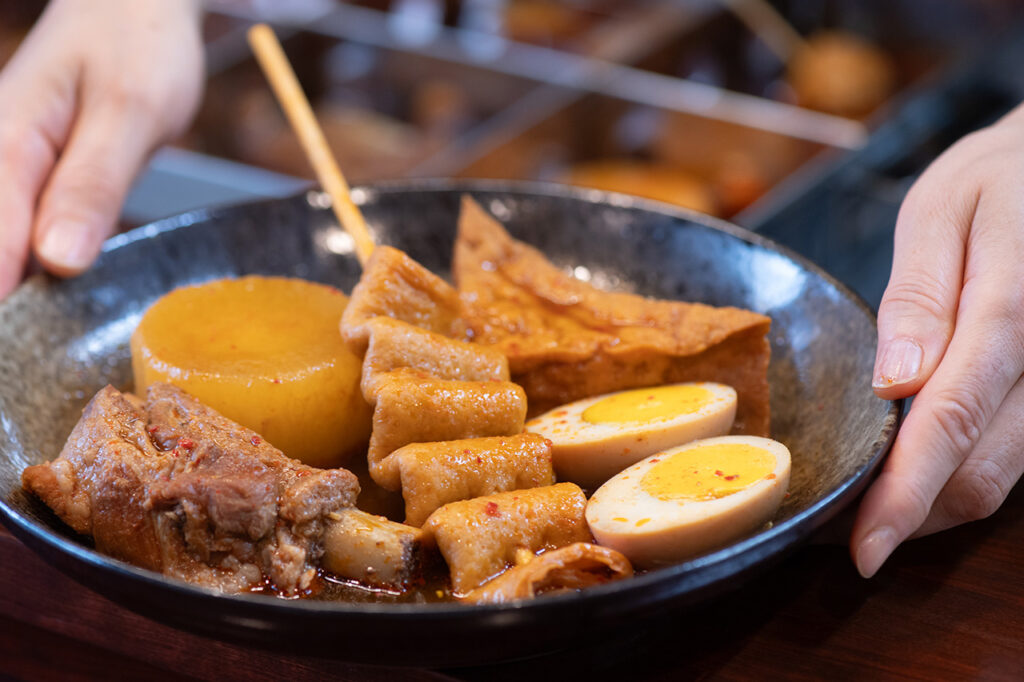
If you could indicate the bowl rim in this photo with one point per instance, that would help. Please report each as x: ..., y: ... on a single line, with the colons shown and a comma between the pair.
x: 780, y: 537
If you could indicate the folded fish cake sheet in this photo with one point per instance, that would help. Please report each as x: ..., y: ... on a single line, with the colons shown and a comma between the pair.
x: 566, y: 340
x: 394, y: 285
x: 482, y: 537
x: 415, y: 407
x: 434, y: 474
x: 394, y: 344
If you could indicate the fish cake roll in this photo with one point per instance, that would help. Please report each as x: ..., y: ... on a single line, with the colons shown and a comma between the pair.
x: 395, y: 344
x: 414, y: 407
x: 394, y: 285
x: 480, y: 538
x: 434, y: 474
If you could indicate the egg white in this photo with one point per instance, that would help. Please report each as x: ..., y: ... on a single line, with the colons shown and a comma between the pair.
x: 589, y: 454
x: 651, y: 531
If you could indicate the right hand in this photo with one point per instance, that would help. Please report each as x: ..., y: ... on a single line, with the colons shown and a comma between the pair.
x: 951, y: 333
x: 94, y: 89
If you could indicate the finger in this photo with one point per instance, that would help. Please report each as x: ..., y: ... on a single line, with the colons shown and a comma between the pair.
x: 981, y: 364
x: 917, y: 311
x: 80, y: 204
x: 32, y: 126
x: 978, y: 487
x: 25, y: 158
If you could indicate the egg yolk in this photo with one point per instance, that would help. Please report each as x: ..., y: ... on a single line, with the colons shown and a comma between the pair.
x: 708, y: 472
x: 648, y: 404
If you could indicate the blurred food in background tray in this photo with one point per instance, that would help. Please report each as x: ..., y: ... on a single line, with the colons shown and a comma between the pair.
x: 397, y: 100
x: 613, y: 144
x: 691, y: 102
x: 382, y: 111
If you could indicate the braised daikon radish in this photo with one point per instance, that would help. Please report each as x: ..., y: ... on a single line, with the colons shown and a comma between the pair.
x: 265, y: 352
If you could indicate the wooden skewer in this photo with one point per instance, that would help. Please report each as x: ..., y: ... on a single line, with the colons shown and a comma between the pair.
x: 765, y: 21
x: 296, y: 107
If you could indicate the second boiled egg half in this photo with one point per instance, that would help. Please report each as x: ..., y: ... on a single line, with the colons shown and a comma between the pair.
x: 596, y: 438
x: 690, y: 499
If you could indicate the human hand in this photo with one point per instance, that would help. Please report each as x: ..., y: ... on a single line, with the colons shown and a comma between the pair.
x: 94, y: 89
x: 951, y: 331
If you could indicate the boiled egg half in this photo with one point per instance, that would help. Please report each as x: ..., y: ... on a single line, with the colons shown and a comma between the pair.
x: 596, y: 438
x: 690, y: 499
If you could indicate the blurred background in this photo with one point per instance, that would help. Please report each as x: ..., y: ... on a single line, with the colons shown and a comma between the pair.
x: 804, y: 120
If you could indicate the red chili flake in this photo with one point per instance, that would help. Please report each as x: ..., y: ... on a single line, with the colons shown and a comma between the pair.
x: 718, y: 473
x: 255, y: 440
x: 466, y: 451
x: 277, y: 381
x: 186, y: 443
x: 732, y: 478
x: 491, y: 508
x: 153, y: 429
x: 479, y: 461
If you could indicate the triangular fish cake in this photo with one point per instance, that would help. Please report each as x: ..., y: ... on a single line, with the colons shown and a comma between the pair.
x: 567, y: 340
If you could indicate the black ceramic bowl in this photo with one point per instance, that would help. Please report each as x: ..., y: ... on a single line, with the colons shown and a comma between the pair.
x: 62, y: 340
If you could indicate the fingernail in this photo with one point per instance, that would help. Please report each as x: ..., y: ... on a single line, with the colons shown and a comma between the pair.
x: 67, y: 245
x: 874, y: 550
x: 900, y: 363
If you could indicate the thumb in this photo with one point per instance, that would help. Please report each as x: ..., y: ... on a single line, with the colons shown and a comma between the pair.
x: 918, y: 310
x: 110, y: 142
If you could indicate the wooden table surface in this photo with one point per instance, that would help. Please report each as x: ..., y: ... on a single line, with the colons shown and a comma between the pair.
x: 949, y: 606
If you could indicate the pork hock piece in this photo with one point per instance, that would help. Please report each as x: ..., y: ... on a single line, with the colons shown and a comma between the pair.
x: 566, y: 340
x: 415, y: 407
x: 173, y: 486
x: 573, y: 567
x: 372, y: 549
x: 482, y: 537
x: 434, y: 474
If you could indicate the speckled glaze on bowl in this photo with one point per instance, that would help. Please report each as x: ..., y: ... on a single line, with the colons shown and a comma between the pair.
x: 60, y: 341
